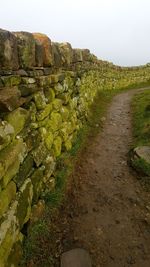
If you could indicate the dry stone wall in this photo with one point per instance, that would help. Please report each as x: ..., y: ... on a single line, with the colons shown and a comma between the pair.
x: 46, y: 90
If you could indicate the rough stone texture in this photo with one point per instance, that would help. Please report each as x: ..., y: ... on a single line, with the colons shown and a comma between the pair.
x: 77, y: 55
x: 48, y: 59
x: 67, y: 53
x: 11, y: 80
x: 58, y: 61
x: 76, y: 258
x: 6, y: 196
x: 17, y: 119
x: 37, y: 182
x: 24, y: 198
x: 6, y: 134
x: 9, y: 99
x: 39, y: 53
x: 15, y: 253
x: 8, y: 51
x: 9, y: 230
x: 26, y: 49
x: 13, y: 221
x: 39, y: 154
x: 142, y: 152
x: 10, y: 159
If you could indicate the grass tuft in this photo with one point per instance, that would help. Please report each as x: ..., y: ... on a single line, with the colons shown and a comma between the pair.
x: 141, y: 128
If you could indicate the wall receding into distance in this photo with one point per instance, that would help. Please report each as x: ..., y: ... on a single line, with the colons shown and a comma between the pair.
x: 46, y: 90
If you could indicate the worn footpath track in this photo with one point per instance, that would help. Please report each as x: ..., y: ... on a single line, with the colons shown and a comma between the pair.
x: 108, y: 212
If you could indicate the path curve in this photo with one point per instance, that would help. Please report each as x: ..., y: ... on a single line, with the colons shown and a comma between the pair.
x: 109, y: 211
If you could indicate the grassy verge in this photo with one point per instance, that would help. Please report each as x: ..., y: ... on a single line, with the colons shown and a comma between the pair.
x: 42, y: 243
x: 141, y: 130
x: 141, y: 118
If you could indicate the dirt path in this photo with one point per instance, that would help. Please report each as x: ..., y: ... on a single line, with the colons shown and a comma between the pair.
x: 109, y: 212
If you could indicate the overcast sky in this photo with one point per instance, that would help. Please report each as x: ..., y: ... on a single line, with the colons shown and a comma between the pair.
x: 114, y: 30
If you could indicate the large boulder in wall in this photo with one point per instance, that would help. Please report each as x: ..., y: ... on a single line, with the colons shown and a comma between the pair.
x: 8, y: 51
x: 26, y: 49
x: 48, y: 57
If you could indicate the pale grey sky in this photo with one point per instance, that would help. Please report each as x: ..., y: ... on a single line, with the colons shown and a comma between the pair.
x: 114, y: 30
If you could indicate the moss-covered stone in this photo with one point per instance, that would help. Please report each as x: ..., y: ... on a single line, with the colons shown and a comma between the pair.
x: 49, y: 140
x: 44, y: 122
x: 6, y: 196
x: 12, y: 222
x: 32, y: 110
x: 28, y: 89
x: 9, y: 231
x: 64, y: 132
x: 24, y: 199
x: 49, y: 94
x: 59, y: 89
x: 57, y: 104
x: 55, y: 121
x: 57, y: 146
x: 9, y: 99
x: 43, y: 81
x: 68, y: 84
x: 39, y: 154
x: 17, y: 119
x: 67, y: 126
x: 10, y: 173
x: 32, y: 140
x: 43, y: 133
x: 42, y: 114
x: 6, y: 134
x: 15, y: 253
x: 64, y: 113
x: 40, y: 100
x: 68, y: 144
x: 50, y: 165
x: 28, y: 80
x: 11, y: 80
x: 65, y: 97
x: 11, y: 163
x: 37, y: 181
x: 25, y: 170
x: 54, y: 78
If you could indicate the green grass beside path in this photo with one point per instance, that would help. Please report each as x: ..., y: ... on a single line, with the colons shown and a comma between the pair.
x: 141, y: 132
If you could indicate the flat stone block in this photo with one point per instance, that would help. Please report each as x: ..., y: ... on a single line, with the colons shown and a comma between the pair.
x: 8, y: 51
x: 9, y: 99
x: 76, y: 258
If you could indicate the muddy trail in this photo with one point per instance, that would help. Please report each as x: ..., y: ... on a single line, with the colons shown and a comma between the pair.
x: 108, y: 211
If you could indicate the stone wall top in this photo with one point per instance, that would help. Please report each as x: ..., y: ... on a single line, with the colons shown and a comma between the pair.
x: 24, y: 50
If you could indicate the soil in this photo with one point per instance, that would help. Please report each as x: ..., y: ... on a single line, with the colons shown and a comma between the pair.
x: 108, y: 211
